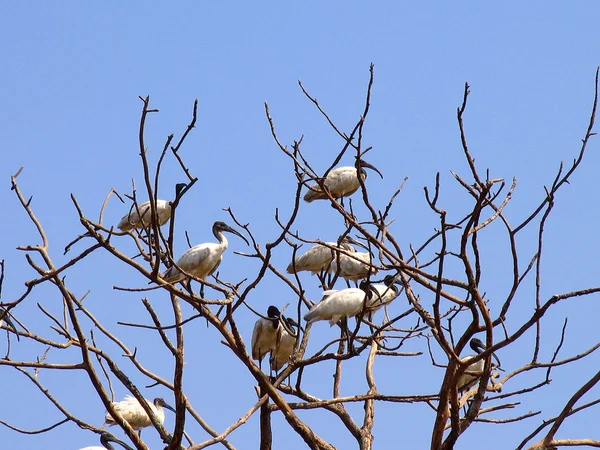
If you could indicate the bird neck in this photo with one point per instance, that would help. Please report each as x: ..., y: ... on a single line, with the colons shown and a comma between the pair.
x: 222, y: 239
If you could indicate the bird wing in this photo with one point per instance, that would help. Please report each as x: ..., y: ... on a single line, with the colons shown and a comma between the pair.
x: 342, y: 181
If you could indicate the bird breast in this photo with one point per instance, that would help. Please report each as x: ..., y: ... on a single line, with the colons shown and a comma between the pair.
x: 264, y: 338
x: 471, y: 374
x: 282, y: 352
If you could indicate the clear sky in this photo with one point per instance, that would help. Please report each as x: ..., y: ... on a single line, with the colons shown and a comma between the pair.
x: 71, y: 76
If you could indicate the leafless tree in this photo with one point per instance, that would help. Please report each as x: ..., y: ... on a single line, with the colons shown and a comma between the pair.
x: 442, y: 315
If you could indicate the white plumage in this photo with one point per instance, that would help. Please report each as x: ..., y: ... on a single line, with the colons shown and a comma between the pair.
x: 203, y: 259
x: 140, y: 217
x: 133, y: 413
x: 284, y: 349
x: 105, y: 438
x: 383, y: 294
x: 336, y: 305
x: 341, y: 182
x: 473, y: 371
x: 318, y: 257
x: 266, y: 334
x: 355, y: 267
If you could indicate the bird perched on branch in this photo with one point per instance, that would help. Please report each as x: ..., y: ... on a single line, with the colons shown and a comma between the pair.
x: 318, y: 258
x: 105, y: 438
x: 354, y: 267
x: 133, y: 413
x: 140, y: 216
x: 336, y: 305
x: 473, y: 371
x: 266, y: 334
x: 202, y: 260
x: 340, y: 182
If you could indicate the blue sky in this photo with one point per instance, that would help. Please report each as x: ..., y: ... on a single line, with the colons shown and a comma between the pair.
x: 71, y: 76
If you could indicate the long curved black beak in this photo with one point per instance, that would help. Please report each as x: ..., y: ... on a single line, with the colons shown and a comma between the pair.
x: 236, y: 232
x: 111, y: 438
x: 479, y: 347
x: 353, y: 241
x: 363, y: 163
x: 169, y: 407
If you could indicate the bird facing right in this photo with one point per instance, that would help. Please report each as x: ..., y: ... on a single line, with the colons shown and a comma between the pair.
x: 473, y: 371
x: 133, y: 413
x: 105, y: 439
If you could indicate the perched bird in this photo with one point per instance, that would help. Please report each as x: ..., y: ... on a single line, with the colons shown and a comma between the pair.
x: 336, y: 305
x: 341, y: 182
x: 140, y: 217
x: 266, y: 334
x: 203, y: 259
x: 318, y: 258
x: 355, y: 267
x: 133, y: 413
x: 383, y: 294
x: 105, y: 438
x: 473, y: 371
x: 284, y: 349
x: 5, y: 317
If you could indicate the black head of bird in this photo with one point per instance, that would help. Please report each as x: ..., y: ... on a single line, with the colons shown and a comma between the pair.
x: 178, y: 188
x: 219, y: 227
x: 292, y: 326
x: 389, y: 280
x: 159, y: 402
x: 362, y: 164
x: 273, y: 313
x: 479, y: 347
x: 106, y: 438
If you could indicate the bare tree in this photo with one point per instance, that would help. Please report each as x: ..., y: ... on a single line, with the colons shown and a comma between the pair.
x: 443, y: 314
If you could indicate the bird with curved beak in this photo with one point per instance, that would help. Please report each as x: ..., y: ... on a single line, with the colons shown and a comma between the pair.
x: 354, y: 267
x: 340, y: 182
x: 473, y: 371
x: 266, y: 334
x: 105, y: 438
x: 202, y: 260
x: 133, y: 413
x: 383, y: 294
x: 139, y: 217
x: 5, y: 317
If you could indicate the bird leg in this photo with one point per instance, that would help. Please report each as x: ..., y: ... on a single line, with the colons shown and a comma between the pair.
x: 346, y: 331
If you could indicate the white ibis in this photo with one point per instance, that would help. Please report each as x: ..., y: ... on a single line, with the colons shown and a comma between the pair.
x: 140, y: 217
x: 341, y: 182
x: 266, y: 333
x: 318, y: 257
x: 336, y: 305
x: 383, y: 294
x: 473, y: 371
x: 105, y: 439
x: 355, y: 267
x: 133, y: 413
x: 203, y: 259
x: 5, y: 317
x: 284, y: 349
